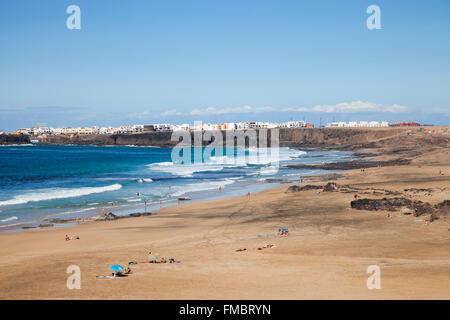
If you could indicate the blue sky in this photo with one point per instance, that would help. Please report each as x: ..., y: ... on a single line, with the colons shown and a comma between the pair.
x: 180, y: 61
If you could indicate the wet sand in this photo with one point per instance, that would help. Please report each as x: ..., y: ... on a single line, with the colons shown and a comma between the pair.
x: 325, y: 255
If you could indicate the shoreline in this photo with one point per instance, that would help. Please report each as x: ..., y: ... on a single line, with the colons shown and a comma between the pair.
x: 124, y: 210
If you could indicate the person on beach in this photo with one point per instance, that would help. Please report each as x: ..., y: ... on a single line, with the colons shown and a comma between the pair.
x: 248, y: 195
x: 160, y: 204
x: 127, y: 270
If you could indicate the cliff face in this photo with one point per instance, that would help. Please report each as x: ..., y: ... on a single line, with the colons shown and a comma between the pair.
x: 334, y: 138
x: 6, y: 139
x: 157, y: 139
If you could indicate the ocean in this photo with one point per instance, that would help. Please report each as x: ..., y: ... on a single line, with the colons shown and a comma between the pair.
x: 64, y: 182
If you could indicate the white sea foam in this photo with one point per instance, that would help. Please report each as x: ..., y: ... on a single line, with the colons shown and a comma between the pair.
x: 268, y: 171
x: 10, y: 225
x: 9, y: 219
x: 202, y: 186
x: 254, y: 156
x: 184, y: 170
x: 135, y: 146
x: 58, y: 193
x: 17, y: 145
x: 144, y: 180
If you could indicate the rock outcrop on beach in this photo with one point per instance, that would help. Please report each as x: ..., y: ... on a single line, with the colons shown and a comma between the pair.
x: 330, y: 186
x: 296, y: 188
x: 416, y: 207
x: 357, y: 164
x: 112, y: 216
x: 443, y: 208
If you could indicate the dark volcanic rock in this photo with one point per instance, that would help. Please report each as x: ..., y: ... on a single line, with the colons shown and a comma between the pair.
x: 357, y: 164
x: 139, y: 214
x: 296, y: 188
x: 392, y: 204
x: 54, y: 220
x: 46, y: 225
x: 6, y: 139
x: 330, y: 186
x: 111, y: 216
x: 443, y: 208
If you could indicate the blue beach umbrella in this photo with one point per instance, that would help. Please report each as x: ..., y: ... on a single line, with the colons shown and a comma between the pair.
x: 116, y: 268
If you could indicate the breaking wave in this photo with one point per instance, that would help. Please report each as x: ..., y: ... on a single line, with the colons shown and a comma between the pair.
x: 51, y: 194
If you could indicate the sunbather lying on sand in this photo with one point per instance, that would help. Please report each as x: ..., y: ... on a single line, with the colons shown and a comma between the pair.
x: 71, y: 238
x: 127, y: 270
x: 267, y: 246
x: 112, y: 276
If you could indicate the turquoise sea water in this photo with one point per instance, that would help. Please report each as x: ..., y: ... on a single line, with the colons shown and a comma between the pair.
x: 38, y: 182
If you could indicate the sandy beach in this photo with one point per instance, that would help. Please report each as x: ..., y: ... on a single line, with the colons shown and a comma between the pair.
x: 325, y: 255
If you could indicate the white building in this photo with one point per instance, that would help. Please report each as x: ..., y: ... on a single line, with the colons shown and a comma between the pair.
x: 181, y: 127
x: 292, y: 124
x: 361, y: 124
x: 57, y: 131
x: 107, y: 130
x: 163, y: 127
x: 40, y: 130
x: 138, y: 128
x: 26, y: 131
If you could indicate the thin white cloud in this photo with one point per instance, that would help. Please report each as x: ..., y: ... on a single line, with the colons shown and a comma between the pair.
x: 357, y: 106
x: 434, y: 110
x: 243, y: 109
x: 139, y: 115
x: 172, y: 112
x: 344, y: 107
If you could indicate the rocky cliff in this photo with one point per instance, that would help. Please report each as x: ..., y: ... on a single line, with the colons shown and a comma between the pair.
x: 13, y: 139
